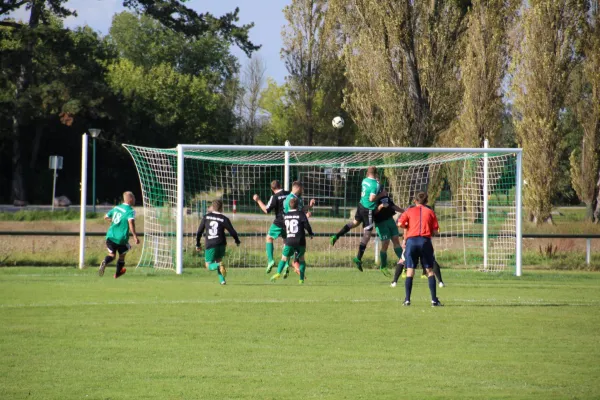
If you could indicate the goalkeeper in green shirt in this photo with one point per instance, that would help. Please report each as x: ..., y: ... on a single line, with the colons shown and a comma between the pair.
x: 369, y: 196
x: 122, y: 219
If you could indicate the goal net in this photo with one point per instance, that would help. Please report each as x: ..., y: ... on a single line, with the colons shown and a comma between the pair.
x: 474, y: 192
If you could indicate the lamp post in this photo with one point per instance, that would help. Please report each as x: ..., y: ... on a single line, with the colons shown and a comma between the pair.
x: 95, y: 133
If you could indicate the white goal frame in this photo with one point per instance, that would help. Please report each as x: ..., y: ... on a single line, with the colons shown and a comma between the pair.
x: 288, y: 148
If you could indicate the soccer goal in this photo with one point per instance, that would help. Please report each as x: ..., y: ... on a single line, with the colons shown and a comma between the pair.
x: 476, y: 194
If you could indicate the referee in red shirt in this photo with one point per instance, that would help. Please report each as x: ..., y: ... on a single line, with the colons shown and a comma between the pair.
x: 419, y: 224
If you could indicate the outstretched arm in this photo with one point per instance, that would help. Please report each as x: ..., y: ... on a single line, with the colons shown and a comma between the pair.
x: 398, y: 209
x: 375, y: 197
x: 262, y: 205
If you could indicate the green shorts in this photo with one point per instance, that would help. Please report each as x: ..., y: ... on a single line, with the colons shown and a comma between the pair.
x: 289, y: 251
x: 214, y: 254
x: 386, y: 229
x: 276, y: 231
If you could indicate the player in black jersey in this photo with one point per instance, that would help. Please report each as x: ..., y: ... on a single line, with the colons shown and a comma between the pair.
x: 277, y: 228
x: 387, y: 230
x: 215, y: 224
x: 296, y: 223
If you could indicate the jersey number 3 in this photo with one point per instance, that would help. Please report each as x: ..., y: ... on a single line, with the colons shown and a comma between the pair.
x: 214, y: 228
x: 291, y: 226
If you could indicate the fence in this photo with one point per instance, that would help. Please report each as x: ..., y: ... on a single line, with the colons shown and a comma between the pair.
x: 588, y: 237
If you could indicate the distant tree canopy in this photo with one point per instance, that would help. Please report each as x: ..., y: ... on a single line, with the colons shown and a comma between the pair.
x: 163, y: 75
x: 400, y: 73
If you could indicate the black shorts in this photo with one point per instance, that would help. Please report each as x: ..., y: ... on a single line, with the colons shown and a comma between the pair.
x: 364, y: 216
x: 419, y: 249
x: 113, y: 248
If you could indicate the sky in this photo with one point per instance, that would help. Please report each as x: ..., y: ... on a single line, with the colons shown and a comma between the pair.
x: 267, y: 16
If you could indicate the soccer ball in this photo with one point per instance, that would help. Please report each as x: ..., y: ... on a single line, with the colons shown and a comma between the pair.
x: 338, y: 122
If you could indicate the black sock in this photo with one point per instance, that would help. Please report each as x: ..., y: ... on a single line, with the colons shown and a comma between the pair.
x: 120, y: 265
x: 108, y: 259
x: 361, y: 251
x: 343, y: 231
x: 408, y: 287
x: 399, y: 268
x: 432, y: 288
x: 437, y: 272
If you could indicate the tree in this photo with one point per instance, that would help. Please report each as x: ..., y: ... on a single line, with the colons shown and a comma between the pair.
x: 544, y: 61
x: 401, y: 63
x: 253, y: 80
x: 584, y: 161
x: 483, y: 69
x: 147, y: 43
x: 66, y: 86
x: 171, y: 13
x: 304, y: 42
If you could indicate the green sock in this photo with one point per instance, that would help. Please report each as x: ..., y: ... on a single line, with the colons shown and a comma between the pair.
x: 269, y: 247
x: 398, y: 251
x: 213, y: 266
x: 302, y: 269
x: 280, y: 266
x: 383, y: 255
x: 221, y: 278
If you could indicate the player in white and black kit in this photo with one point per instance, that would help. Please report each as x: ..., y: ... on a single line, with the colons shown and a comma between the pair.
x: 296, y: 223
x: 215, y: 225
x: 277, y: 228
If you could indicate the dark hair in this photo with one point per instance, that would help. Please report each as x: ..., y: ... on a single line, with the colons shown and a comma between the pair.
x: 297, y: 184
x: 421, y: 198
x: 372, y: 171
x: 217, y: 205
x: 275, y: 185
x: 293, y: 203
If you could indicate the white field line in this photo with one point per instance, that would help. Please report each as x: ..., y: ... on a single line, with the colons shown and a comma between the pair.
x: 453, y: 302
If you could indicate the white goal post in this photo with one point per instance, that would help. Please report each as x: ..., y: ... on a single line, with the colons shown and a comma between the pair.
x: 474, y: 204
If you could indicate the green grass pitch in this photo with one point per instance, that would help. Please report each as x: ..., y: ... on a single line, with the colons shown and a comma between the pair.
x: 68, y: 334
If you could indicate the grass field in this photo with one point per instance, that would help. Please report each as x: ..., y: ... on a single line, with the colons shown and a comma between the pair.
x: 67, y: 334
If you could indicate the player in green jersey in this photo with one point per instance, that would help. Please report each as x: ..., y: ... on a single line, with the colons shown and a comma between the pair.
x: 122, y: 219
x: 297, y: 191
x: 369, y: 196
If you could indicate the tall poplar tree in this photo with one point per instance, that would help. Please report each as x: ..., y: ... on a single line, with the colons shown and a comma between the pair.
x: 544, y: 62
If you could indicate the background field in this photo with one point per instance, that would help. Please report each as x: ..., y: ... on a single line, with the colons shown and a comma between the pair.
x: 49, y: 250
x: 66, y: 333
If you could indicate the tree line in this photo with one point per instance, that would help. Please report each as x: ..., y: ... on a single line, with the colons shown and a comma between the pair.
x: 401, y: 73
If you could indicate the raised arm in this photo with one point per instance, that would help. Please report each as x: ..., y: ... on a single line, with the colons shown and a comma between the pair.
x: 263, y: 207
